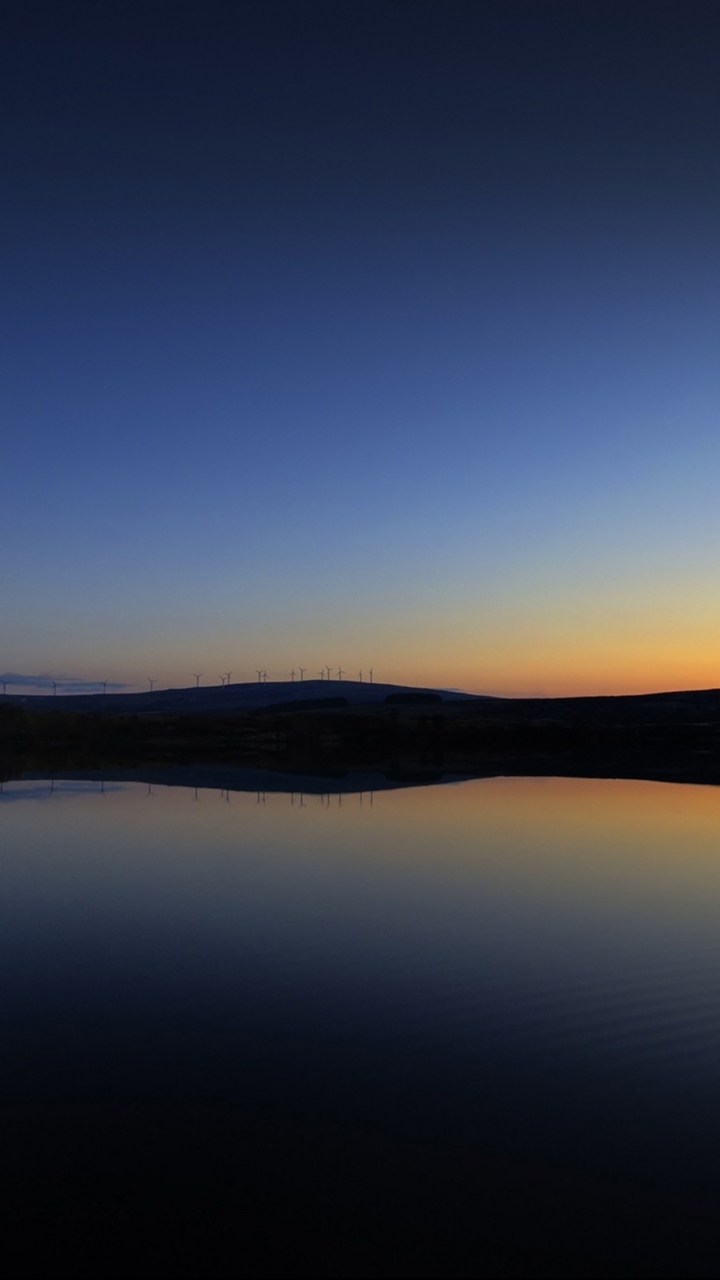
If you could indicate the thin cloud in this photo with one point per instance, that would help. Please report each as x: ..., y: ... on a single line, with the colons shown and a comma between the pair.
x: 65, y: 684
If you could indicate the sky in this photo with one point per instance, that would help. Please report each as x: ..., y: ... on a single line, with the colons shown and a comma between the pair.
x: 361, y: 335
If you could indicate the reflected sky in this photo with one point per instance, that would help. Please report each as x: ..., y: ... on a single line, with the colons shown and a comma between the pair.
x: 510, y: 969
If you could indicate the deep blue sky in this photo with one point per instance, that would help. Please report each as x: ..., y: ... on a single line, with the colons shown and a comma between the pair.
x: 361, y: 334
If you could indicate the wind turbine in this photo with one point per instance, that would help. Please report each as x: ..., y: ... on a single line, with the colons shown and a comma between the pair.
x: 55, y: 688
x: 264, y: 677
x: 302, y: 671
x: 340, y: 674
x: 104, y: 684
x: 322, y: 674
x: 259, y: 674
x: 329, y: 669
x: 221, y: 679
x: 4, y: 685
x: 197, y: 679
x: 360, y: 676
x: 152, y: 681
x: 292, y: 675
x: 227, y: 678
x: 371, y: 675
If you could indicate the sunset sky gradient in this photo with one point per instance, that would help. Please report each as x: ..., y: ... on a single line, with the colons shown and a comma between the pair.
x: 365, y: 335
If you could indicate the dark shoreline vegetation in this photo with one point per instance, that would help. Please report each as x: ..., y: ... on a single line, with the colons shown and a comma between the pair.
x: 413, y: 737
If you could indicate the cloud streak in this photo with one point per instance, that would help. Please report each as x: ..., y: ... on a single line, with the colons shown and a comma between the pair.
x: 65, y: 684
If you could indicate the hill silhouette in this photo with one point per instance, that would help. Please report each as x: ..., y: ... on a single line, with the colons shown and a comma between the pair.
x: 247, y: 696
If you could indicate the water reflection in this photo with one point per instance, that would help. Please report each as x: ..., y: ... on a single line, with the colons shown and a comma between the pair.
x: 507, y: 985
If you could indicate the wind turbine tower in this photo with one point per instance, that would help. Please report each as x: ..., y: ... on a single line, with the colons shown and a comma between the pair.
x: 196, y: 677
x: 152, y: 681
x: 302, y: 671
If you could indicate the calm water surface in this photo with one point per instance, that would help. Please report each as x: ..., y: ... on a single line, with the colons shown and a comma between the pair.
x: 466, y: 1029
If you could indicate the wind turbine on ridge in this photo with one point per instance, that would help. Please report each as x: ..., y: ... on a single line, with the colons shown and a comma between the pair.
x: 302, y: 671
x: 196, y: 677
x: 152, y: 681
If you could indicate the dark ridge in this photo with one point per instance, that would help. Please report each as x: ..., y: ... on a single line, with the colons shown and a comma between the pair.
x: 404, y: 732
x: 236, y: 699
x: 411, y: 699
x: 304, y: 704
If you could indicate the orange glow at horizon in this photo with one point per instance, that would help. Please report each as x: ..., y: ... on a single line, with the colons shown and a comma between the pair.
x: 592, y: 645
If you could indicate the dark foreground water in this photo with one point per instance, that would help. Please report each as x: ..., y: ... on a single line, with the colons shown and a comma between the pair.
x: 461, y: 1030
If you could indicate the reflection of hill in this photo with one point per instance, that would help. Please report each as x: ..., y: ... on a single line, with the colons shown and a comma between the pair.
x: 651, y: 766
x: 218, y: 777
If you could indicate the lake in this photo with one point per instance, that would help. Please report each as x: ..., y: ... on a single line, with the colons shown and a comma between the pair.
x: 456, y: 1029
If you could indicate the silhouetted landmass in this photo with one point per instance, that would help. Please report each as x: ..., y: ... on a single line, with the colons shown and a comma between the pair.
x: 411, y: 735
x: 225, y: 699
x: 413, y: 698
x: 307, y: 704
